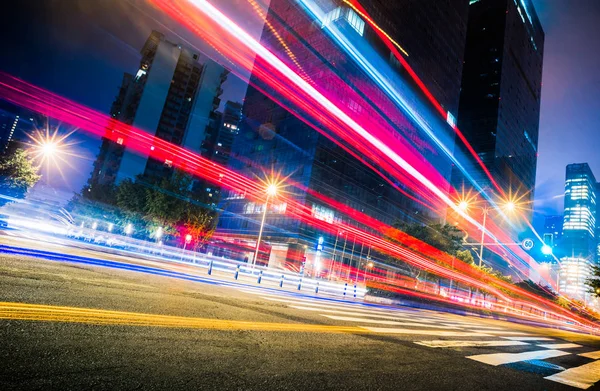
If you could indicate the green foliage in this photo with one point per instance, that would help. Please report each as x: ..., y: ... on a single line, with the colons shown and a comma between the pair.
x: 466, y: 256
x: 537, y: 289
x: 444, y: 237
x: 170, y: 205
x: 594, y: 281
x: 17, y: 174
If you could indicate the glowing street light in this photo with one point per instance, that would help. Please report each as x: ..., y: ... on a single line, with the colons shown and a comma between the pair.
x: 128, y: 229
x: 271, y: 191
x: 159, y: 233
x: 511, y: 205
x: 546, y: 250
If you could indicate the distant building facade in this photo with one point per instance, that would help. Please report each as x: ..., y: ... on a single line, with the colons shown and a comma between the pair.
x: 273, y: 139
x: 172, y: 96
x: 579, y: 241
x: 501, y: 90
x: 16, y: 124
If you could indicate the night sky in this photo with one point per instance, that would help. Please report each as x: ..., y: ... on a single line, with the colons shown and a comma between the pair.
x: 80, y: 49
x: 570, y: 119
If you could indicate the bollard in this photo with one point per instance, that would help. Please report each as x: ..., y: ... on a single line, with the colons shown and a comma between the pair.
x: 317, y: 287
x: 355, y: 291
x: 237, y: 272
x: 345, y: 288
x: 300, y: 284
x: 281, y: 281
x: 260, y: 276
x: 210, y: 265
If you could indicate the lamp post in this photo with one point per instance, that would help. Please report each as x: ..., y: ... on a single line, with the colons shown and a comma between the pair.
x: 509, y: 206
x: 271, y: 191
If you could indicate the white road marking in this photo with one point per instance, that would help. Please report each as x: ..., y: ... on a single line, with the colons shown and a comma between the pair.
x: 496, y: 359
x: 388, y: 322
x: 560, y: 346
x: 439, y: 333
x: 461, y: 344
x: 528, y: 338
x: 595, y: 355
x: 502, y: 332
x: 368, y: 315
x: 583, y: 376
x: 341, y: 307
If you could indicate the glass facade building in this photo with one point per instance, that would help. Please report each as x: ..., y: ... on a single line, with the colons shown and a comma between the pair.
x: 272, y: 139
x: 173, y: 96
x: 501, y: 90
x: 579, y: 241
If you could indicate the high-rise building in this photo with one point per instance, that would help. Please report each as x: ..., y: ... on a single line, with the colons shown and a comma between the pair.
x: 433, y: 32
x: 219, y: 137
x: 578, y: 244
x: 273, y: 139
x: 501, y: 90
x: 173, y: 96
x: 553, y: 227
x: 16, y: 123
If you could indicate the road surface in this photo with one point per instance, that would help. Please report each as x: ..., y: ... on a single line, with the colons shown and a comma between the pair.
x: 69, y: 326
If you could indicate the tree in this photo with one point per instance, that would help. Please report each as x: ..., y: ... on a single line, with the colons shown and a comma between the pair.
x: 594, y: 281
x: 17, y: 174
x: 446, y: 237
x: 201, y: 224
x: 466, y: 256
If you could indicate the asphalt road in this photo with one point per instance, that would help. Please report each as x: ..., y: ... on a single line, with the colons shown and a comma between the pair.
x: 72, y: 327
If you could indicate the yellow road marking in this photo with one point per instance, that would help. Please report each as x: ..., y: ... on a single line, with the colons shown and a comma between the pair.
x: 49, y: 313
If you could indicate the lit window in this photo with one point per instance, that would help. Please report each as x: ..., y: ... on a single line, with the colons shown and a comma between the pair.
x: 355, y: 21
x: 139, y: 74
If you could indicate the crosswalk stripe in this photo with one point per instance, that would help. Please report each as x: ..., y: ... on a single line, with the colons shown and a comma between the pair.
x: 496, y: 359
x: 502, y: 332
x: 439, y: 333
x: 388, y: 322
x: 583, y: 376
x: 462, y: 344
x: 367, y: 315
x: 340, y: 307
x: 560, y: 346
x: 528, y: 338
x: 595, y: 355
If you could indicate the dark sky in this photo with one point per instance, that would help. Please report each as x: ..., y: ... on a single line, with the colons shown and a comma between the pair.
x: 80, y: 49
x: 570, y: 119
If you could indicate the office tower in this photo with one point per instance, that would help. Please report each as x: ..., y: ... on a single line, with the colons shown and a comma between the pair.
x: 274, y: 140
x: 172, y: 96
x: 501, y: 89
x: 578, y: 244
x: 553, y: 227
x: 16, y: 124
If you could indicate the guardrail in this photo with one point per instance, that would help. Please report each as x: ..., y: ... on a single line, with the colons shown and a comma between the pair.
x: 275, y: 278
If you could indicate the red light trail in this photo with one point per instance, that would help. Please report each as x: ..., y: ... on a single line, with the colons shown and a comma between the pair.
x: 37, y: 99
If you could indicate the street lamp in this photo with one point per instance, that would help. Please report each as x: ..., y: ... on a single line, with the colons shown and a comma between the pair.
x: 270, y: 191
x: 508, y: 206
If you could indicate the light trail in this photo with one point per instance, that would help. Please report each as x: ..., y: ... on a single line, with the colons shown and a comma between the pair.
x: 273, y: 65
x: 247, y: 41
x: 37, y: 99
x: 359, y: 8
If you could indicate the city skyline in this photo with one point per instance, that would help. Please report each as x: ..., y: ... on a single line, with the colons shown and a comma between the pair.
x: 300, y: 194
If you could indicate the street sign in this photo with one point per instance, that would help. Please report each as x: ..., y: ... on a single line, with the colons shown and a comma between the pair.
x: 527, y: 244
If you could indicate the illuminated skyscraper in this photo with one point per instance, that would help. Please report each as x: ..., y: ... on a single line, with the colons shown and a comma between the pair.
x: 579, y: 230
x: 272, y: 137
x: 501, y: 91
